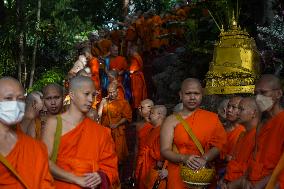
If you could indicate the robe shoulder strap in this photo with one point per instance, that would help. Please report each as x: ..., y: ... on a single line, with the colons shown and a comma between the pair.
x: 190, y: 133
x: 5, y: 162
x: 57, y: 137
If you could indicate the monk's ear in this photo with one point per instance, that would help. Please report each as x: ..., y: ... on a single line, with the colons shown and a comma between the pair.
x: 71, y: 94
x: 279, y: 94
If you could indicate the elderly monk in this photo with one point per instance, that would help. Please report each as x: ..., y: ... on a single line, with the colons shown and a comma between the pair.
x: 81, y: 151
x: 269, y: 137
x: 232, y: 128
x: 32, y: 121
x: 138, y: 85
x: 115, y: 113
x: 26, y: 156
x: 149, y: 155
x: 113, y: 79
x: 250, y: 117
x: 205, y: 126
x: 53, y: 98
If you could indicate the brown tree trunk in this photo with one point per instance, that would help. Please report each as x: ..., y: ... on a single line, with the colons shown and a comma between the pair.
x: 20, y: 31
x: 35, y: 45
x: 125, y: 7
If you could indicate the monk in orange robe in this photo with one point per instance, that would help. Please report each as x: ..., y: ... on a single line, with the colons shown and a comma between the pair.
x: 27, y: 156
x: 156, y: 23
x: 138, y: 85
x: 117, y: 63
x: 142, y: 129
x: 83, y: 154
x: 31, y: 123
x: 269, y: 141
x: 206, y: 127
x: 113, y: 79
x: 249, y: 115
x: 149, y: 155
x: 232, y: 127
x: 115, y: 113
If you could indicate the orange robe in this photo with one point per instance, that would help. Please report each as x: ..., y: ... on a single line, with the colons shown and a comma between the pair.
x: 270, y: 146
x: 142, y: 134
x: 112, y: 113
x: 156, y: 31
x: 149, y: 155
x: 95, y: 70
x: 121, y: 91
x: 232, y: 138
x: 138, y: 85
x: 241, y: 153
x: 119, y: 64
x: 209, y: 131
x: 29, y: 158
x: 87, y: 148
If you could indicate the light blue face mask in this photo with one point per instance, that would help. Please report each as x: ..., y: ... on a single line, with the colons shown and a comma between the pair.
x: 11, y: 112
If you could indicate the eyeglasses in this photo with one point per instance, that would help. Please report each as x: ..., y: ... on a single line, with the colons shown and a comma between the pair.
x: 264, y: 92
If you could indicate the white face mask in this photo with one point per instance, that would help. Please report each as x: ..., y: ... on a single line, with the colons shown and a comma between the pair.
x: 264, y: 102
x: 11, y: 112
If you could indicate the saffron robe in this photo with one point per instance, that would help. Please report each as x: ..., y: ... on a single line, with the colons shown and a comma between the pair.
x: 85, y: 149
x: 240, y: 155
x: 149, y: 155
x: 30, y: 159
x: 270, y: 146
x: 119, y: 64
x: 142, y: 137
x: 112, y: 113
x: 210, y: 133
x: 232, y: 138
x: 138, y: 85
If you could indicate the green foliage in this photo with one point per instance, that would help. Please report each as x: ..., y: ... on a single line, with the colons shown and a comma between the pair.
x: 51, y: 76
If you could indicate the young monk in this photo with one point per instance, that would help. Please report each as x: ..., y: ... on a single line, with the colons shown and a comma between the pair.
x: 250, y: 117
x: 206, y: 127
x: 269, y: 137
x: 32, y: 120
x: 113, y: 79
x: 115, y: 113
x: 27, y: 156
x: 150, y: 156
x: 53, y: 98
x: 83, y: 155
x: 138, y: 85
x: 233, y: 128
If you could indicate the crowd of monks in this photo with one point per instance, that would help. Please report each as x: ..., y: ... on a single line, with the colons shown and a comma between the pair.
x: 45, y: 144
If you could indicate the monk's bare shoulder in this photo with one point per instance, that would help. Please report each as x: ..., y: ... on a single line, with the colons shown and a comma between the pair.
x: 170, y: 121
x: 50, y: 126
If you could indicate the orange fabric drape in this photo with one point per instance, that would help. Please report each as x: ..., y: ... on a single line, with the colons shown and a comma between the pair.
x: 209, y: 131
x: 138, y: 85
x: 29, y: 158
x: 87, y: 148
x: 119, y: 64
x: 112, y: 113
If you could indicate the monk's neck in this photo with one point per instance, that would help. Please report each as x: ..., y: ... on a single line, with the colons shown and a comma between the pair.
x: 230, y: 126
x: 8, y: 139
x: 253, y: 124
x: 75, y: 114
x: 186, y: 113
x: 275, y: 110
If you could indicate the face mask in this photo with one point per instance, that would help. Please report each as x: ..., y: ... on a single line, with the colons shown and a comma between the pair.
x: 263, y: 102
x: 11, y: 112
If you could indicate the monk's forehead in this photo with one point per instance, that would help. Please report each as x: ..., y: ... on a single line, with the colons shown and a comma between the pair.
x: 247, y: 103
x: 191, y: 85
x: 235, y: 100
x: 10, y: 87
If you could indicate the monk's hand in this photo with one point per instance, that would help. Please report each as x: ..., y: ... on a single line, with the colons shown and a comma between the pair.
x: 92, y: 180
x: 193, y: 162
x: 163, y: 173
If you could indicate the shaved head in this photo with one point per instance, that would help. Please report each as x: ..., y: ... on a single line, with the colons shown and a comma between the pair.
x: 146, y: 102
x: 10, y: 80
x: 77, y: 82
x: 191, y: 81
x: 53, y: 86
x: 113, y: 74
x: 249, y: 114
x: 250, y: 102
x: 12, y: 88
x: 33, y: 96
x: 161, y: 109
x: 271, y: 81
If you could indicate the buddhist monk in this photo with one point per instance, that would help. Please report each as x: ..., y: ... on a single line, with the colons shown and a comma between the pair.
x: 32, y: 120
x: 113, y: 78
x: 149, y: 155
x: 142, y: 129
x: 117, y: 63
x: 204, y: 124
x: 222, y: 109
x: 269, y: 139
x: 138, y: 85
x: 81, y: 152
x: 53, y: 98
x: 27, y: 157
x: 250, y: 117
x: 233, y: 128
x: 116, y: 113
